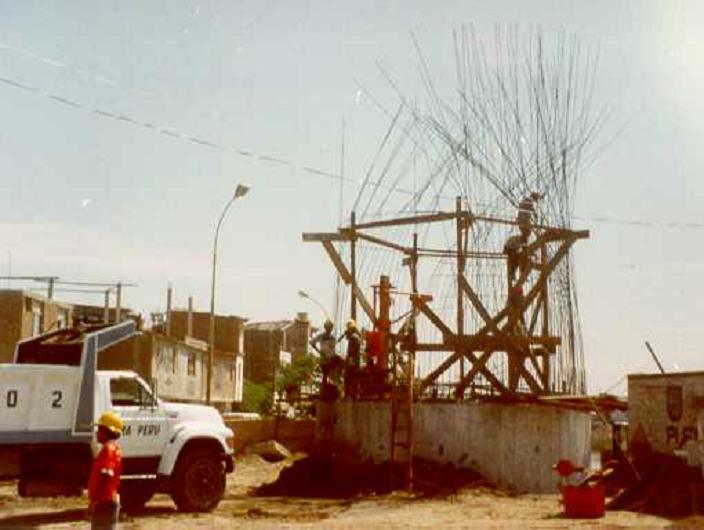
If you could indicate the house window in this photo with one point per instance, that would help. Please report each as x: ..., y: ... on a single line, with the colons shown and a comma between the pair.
x: 191, y: 363
x: 36, y: 319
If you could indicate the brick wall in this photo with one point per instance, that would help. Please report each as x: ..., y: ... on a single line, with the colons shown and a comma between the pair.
x: 11, y: 310
x: 16, y: 318
x: 662, y: 410
x: 228, y: 329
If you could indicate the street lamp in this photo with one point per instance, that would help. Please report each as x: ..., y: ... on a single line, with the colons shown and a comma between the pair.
x: 304, y: 294
x: 240, y: 191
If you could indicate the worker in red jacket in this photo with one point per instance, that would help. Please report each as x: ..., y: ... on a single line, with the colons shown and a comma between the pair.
x: 104, y: 479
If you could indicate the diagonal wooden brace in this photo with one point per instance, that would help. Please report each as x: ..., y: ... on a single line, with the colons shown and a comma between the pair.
x: 347, y: 278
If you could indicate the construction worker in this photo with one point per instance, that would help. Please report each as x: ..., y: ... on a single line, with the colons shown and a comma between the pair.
x: 324, y: 343
x: 352, y: 361
x: 104, y: 480
x: 518, y: 258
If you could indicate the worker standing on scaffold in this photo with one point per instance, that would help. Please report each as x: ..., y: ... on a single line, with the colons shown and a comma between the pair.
x: 324, y: 343
x: 352, y: 361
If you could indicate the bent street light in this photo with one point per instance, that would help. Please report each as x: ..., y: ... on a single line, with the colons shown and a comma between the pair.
x: 304, y: 294
x: 240, y: 191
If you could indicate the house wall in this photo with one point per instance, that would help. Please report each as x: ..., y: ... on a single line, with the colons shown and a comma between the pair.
x: 16, y: 318
x: 262, y: 349
x: 512, y: 444
x: 229, y: 330
x: 11, y: 323
x: 662, y: 410
x: 170, y: 367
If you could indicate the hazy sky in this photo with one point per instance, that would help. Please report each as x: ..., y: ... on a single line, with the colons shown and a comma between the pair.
x: 91, y: 197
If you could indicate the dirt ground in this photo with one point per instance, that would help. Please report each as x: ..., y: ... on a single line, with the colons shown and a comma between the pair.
x: 478, y: 507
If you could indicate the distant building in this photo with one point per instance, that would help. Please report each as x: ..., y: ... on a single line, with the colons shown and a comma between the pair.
x: 177, y: 369
x: 229, y: 344
x: 268, y: 345
x: 24, y: 314
x: 95, y: 314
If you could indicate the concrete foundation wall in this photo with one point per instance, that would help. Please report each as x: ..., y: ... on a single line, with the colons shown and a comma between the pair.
x: 512, y: 445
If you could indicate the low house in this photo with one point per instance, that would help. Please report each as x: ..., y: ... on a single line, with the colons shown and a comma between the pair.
x: 24, y: 314
x: 177, y: 369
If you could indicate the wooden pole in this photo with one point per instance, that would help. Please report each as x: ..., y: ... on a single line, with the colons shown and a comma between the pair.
x: 353, y: 269
x: 460, y: 276
x: 412, y: 362
x: 118, y: 303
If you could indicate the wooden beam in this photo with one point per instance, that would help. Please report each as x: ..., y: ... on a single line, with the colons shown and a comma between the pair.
x: 479, y: 367
x: 491, y: 342
x: 325, y: 236
x: 415, y: 219
x: 347, y: 278
x: 379, y: 241
x: 432, y: 376
x: 436, y: 320
x: 477, y: 303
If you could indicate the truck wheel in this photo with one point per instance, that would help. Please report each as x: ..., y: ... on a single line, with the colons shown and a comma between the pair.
x: 198, y: 482
x: 134, y: 494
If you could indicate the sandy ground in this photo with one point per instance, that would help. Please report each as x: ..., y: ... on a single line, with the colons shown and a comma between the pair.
x: 241, y: 508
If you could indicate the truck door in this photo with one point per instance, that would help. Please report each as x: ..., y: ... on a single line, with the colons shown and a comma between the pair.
x: 146, y: 428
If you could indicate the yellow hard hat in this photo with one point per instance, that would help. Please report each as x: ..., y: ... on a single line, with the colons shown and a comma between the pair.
x: 328, y: 323
x: 112, y: 421
x: 351, y: 324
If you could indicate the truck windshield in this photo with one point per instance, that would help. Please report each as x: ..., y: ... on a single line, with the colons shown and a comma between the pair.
x: 129, y: 392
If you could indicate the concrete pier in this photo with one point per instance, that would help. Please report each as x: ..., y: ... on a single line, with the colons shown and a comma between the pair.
x: 513, y: 445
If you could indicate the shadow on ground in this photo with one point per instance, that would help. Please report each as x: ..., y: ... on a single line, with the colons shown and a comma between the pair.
x: 36, y: 520
x: 76, y: 515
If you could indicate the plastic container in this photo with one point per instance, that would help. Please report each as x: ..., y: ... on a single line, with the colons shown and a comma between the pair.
x: 583, y: 501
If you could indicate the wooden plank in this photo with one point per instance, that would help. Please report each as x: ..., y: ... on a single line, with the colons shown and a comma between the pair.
x: 491, y: 342
x: 382, y: 242
x: 325, y: 236
x: 477, y: 303
x: 415, y: 219
x: 479, y: 367
x: 347, y: 278
x: 337, y: 262
x: 432, y: 376
x: 436, y: 320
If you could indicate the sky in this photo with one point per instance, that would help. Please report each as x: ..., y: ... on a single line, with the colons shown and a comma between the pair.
x: 103, y: 197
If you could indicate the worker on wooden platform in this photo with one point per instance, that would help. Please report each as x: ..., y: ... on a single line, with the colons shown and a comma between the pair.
x: 518, y: 258
x: 352, y: 361
x: 324, y: 343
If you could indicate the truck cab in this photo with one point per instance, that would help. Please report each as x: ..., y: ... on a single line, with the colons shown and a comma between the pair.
x: 50, y: 398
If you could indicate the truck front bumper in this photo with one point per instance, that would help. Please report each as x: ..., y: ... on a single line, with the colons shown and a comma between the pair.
x: 229, y: 463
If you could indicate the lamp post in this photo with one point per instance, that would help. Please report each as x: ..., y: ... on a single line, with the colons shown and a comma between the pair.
x: 304, y: 294
x: 240, y: 191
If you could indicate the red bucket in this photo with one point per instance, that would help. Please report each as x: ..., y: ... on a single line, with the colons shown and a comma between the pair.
x: 583, y: 501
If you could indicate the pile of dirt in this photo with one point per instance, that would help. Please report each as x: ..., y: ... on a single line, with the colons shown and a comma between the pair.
x: 662, y: 485
x: 325, y: 477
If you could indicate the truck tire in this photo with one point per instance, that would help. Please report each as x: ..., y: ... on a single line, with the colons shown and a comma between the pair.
x: 198, y: 482
x: 134, y: 494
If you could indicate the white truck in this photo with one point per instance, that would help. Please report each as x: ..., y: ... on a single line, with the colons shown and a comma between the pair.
x: 52, y: 394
